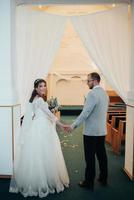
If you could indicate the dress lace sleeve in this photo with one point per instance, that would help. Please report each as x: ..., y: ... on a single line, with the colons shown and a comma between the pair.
x: 44, y: 107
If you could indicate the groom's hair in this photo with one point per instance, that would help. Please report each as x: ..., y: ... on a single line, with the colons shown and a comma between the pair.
x: 95, y: 76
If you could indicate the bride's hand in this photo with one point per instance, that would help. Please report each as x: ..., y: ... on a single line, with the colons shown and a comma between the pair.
x: 63, y: 126
x: 67, y: 128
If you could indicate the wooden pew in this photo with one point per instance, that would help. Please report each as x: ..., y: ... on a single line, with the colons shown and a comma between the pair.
x: 114, y: 117
x: 122, y: 127
x: 111, y: 113
x: 118, y: 134
x: 115, y: 123
x: 110, y: 124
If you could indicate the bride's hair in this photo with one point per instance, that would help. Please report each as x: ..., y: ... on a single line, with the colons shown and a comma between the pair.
x: 34, y: 93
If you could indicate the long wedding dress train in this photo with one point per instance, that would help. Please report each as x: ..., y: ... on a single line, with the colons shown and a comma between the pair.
x: 39, y: 166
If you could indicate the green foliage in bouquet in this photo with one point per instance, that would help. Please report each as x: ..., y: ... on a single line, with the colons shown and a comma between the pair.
x: 53, y: 104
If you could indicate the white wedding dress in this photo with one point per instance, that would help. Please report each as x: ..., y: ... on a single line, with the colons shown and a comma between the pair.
x: 39, y: 166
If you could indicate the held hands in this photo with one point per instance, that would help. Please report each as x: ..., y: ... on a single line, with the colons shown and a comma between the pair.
x: 66, y: 127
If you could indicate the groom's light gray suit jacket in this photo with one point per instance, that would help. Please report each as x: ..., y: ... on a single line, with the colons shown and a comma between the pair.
x: 94, y: 113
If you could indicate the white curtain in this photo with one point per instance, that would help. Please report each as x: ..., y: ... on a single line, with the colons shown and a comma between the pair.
x: 38, y: 38
x: 106, y: 37
x: 104, y: 34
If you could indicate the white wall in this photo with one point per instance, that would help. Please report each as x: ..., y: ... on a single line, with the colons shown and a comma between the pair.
x: 9, y: 110
x: 9, y: 125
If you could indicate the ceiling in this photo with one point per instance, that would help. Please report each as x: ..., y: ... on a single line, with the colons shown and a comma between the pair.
x: 69, y: 2
x: 71, y: 9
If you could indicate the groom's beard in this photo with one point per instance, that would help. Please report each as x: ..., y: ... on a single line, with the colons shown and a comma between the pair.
x: 91, y: 87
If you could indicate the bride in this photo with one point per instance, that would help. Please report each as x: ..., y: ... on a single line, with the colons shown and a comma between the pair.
x: 39, y: 166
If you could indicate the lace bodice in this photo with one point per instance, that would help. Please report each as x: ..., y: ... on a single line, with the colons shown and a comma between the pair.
x: 39, y: 103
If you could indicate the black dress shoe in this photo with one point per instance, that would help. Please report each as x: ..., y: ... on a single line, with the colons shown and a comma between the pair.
x: 102, y: 181
x: 84, y: 184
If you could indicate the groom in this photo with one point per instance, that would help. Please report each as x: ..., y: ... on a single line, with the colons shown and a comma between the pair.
x: 94, y: 117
